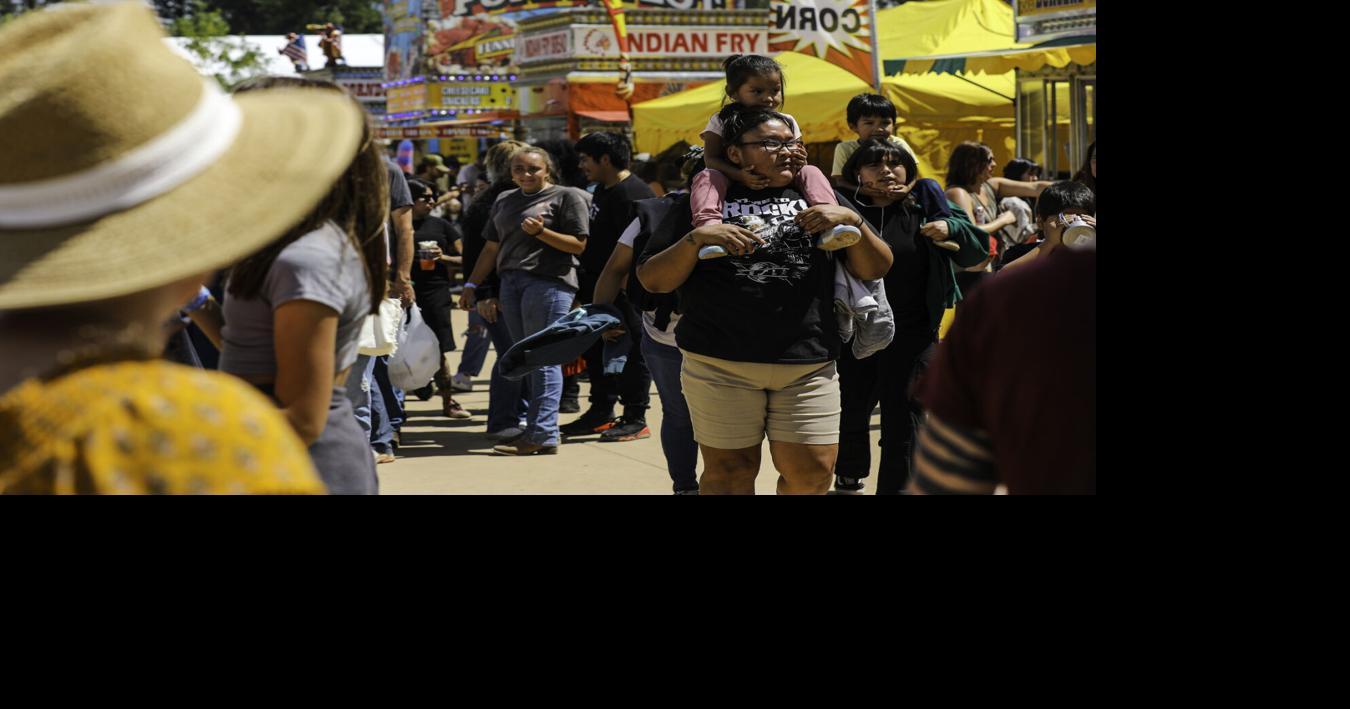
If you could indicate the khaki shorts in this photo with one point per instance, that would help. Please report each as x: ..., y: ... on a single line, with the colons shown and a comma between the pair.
x: 732, y: 404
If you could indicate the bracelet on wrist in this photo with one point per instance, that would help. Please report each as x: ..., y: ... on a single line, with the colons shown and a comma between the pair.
x: 468, y: 285
x: 203, y: 295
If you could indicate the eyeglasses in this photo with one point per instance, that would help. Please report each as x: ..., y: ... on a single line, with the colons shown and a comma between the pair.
x: 773, y: 146
x: 426, y: 198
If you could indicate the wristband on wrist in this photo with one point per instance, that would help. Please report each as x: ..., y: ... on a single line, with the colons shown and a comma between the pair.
x: 203, y: 295
x: 470, y: 285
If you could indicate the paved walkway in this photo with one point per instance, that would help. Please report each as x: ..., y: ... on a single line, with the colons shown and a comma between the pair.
x: 446, y: 456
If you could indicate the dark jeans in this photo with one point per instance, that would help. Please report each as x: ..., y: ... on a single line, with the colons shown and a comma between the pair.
x: 967, y: 280
x: 885, y: 378
x: 677, y: 430
x: 633, y: 385
x: 435, y: 304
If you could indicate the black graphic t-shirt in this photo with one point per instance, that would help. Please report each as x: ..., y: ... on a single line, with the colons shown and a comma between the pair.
x: 444, y: 234
x: 611, y: 212
x: 772, y: 306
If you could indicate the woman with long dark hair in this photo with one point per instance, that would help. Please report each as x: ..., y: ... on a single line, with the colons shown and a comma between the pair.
x: 920, y: 284
x: 1088, y: 173
x: 293, y: 311
x: 971, y: 185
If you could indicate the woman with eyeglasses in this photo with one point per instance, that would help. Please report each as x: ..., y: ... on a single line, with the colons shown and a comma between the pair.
x: 437, y: 251
x: 533, y: 238
x: 972, y: 186
x: 758, y: 332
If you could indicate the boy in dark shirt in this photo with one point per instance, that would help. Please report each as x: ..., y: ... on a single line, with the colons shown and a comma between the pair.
x: 604, y: 159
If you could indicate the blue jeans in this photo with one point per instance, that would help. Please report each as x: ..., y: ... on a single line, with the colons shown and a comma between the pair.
x: 475, y: 347
x: 677, y: 430
x: 369, y: 404
x: 507, y: 402
x: 393, y: 396
x: 529, y: 304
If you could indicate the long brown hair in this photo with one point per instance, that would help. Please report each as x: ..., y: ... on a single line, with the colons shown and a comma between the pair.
x: 966, y: 162
x: 358, y: 203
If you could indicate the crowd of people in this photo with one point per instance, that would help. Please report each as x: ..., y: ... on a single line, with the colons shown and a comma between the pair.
x: 762, y: 297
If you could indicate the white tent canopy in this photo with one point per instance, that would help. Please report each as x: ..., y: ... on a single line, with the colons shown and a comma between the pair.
x: 360, y: 50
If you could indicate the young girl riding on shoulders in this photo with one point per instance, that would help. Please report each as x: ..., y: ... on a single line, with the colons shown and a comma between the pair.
x: 755, y: 82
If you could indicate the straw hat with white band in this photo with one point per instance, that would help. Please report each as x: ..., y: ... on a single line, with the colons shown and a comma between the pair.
x: 122, y: 169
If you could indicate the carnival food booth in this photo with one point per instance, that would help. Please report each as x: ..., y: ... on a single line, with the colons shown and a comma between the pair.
x: 449, y: 76
x: 1042, y: 52
x: 578, y: 75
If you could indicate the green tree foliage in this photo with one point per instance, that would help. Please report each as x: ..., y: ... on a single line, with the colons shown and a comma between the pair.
x: 230, y: 59
x: 282, y: 16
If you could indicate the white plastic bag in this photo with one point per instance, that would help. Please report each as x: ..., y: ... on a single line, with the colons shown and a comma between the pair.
x: 380, y: 331
x: 418, y: 356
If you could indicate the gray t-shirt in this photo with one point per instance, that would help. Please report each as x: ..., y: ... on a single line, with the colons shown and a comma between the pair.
x: 400, y: 196
x: 322, y: 266
x: 563, y: 209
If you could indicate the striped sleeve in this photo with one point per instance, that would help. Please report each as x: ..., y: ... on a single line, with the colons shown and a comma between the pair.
x: 953, y: 461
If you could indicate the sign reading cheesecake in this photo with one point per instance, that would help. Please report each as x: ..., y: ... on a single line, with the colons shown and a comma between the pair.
x: 582, y: 41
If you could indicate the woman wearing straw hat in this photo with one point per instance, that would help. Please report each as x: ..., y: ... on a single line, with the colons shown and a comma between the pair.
x: 163, y: 181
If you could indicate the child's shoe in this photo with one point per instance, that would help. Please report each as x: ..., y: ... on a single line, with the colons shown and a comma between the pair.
x: 840, y: 237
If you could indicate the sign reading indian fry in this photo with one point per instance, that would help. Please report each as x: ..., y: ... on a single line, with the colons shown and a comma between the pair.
x: 838, y: 31
x: 643, y: 41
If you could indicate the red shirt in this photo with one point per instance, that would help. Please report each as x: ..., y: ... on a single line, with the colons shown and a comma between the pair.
x: 1020, y: 363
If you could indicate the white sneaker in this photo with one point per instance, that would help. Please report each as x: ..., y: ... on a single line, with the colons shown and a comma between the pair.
x: 840, y: 237
x: 461, y: 382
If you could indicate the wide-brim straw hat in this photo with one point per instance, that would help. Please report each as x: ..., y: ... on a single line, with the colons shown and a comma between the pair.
x: 123, y: 169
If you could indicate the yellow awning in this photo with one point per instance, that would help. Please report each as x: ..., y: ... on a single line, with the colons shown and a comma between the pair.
x: 941, y: 27
x: 964, y: 36
x: 936, y: 110
x: 817, y: 93
x: 994, y: 62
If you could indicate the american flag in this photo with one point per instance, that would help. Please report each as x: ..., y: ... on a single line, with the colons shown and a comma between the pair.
x: 296, y: 50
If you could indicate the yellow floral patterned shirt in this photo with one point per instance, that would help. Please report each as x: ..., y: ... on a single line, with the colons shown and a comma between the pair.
x: 148, y: 428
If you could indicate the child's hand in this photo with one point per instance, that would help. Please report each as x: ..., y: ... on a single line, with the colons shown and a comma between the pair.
x: 899, y: 191
x: 874, y: 191
x: 532, y: 226
x: 823, y: 216
x: 936, y: 230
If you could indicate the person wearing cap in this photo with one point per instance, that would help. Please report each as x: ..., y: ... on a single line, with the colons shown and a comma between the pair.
x: 433, y: 170
x: 99, y: 250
